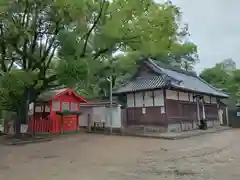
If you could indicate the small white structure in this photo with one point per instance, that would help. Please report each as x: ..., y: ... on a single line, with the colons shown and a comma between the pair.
x: 100, y: 112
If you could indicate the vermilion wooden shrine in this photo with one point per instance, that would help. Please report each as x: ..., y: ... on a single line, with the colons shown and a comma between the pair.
x: 47, y: 112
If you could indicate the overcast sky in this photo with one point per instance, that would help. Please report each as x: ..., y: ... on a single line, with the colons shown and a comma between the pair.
x: 215, y: 28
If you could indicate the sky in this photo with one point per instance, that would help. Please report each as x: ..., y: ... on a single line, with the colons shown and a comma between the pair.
x: 214, y: 26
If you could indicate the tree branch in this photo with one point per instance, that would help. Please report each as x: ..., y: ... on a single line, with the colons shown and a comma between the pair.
x: 100, y: 52
x: 11, y: 65
x: 50, y: 46
x: 24, y: 58
x: 34, y: 42
x: 22, y: 22
x: 21, y: 53
x: 57, y: 29
x: 92, y: 28
x: 3, y: 49
x: 50, y: 59
x: 104, y: 50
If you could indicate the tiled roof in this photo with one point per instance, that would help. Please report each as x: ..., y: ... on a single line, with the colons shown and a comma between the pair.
x: 48, y: 95
x: 144, y: 83
x: 172, y: 76
x: 190, y: 81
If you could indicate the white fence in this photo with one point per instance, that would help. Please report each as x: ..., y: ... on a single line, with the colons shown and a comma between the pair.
x: 101, y: 114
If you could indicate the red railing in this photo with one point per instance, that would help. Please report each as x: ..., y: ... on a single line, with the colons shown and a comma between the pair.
x: 39, y: 125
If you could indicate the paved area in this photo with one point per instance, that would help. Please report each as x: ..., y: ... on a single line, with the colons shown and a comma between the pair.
x: 90, y: 157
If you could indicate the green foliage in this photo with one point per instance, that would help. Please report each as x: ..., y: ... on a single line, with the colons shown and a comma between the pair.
x: 72, y: 70
x: 73, y: 42
x: 29, y: 32
x: 12, y: 85
x: 224, y: 78
x: 136, y: 28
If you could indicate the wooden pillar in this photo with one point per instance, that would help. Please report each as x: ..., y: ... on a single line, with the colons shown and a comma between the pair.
x: 165, y: 107
x: 43, y: 112
x: 34, y: 118
x: 198, y: 110
x: 89, y: 123
x: 60, y: 106
x: 203, y: 110
x: 77, y: 123
x: 50, y: 123
x: 227, y: 117
x: 61, y: 124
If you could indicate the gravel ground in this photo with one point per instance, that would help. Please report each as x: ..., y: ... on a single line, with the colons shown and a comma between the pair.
x: 90, y: 157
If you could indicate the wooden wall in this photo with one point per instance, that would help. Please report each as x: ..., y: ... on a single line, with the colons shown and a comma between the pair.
x: 146, y: 108
x: 182, y: 105
x: 164, y: 107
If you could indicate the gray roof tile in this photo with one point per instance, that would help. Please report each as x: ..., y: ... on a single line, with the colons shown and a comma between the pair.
x: 189, y: 81
x: 145, y: 83
x: 176, y: 77
x: 48, y: 95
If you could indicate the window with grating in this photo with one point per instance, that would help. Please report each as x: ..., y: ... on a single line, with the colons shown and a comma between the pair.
x: 55, y: 106
x: 65, y: 106
x: 74, y: 106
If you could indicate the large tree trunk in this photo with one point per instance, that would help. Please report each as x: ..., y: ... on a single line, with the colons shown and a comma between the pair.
x: 22, y: 113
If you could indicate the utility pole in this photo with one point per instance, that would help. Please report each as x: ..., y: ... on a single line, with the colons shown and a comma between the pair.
x: 110, y: 98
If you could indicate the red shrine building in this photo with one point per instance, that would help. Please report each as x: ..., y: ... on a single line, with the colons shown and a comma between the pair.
x: 55, y: 111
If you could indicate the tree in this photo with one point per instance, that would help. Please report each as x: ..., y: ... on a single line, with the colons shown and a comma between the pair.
x: 29, y: 31
x: 229, y: 65
x: 224, y: 76
x: 135, y: 28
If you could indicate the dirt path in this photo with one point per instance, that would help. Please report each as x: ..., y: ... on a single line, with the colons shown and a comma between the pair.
x: 90, y: 157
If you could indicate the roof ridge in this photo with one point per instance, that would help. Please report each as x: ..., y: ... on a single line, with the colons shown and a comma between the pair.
x: 171, y: 68
x: 162, y: 72
x: 146, y: 77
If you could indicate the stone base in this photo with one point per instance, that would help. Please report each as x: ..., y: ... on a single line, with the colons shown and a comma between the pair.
x: 188, y: 126
x: 181, y: 127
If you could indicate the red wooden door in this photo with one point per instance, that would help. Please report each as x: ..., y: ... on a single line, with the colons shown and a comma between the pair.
x: 70, y: 123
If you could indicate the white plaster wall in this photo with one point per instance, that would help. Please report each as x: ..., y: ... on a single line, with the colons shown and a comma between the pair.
x: 183, y: 96
x: 139, y: 99
x: 191, y: 97
x: 130, y: 100
x: 83, y: 119
x: 206, y: 99
x: 158, y: 98
x: 171, y: 95
x: 148, y: 99
x: 99, y: 114
x: 213, y: 100
x: 116, y: 117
